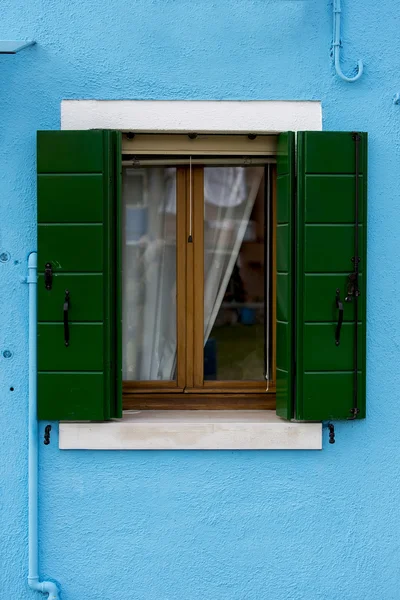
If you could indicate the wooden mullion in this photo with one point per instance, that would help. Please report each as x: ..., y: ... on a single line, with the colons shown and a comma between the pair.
x: 189, y: 281
x: 181, y: 256
x: 198, y: 277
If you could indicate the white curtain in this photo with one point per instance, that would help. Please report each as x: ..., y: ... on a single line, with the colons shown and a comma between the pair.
x: 149, y: 259
x: 229, y: 195
x: 149, y: 275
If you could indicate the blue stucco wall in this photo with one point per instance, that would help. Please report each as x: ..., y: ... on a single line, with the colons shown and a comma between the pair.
x: 204, y: 525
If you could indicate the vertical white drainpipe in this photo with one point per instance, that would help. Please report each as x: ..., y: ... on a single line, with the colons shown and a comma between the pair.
x: 337, y: 13
x: 46, y: 587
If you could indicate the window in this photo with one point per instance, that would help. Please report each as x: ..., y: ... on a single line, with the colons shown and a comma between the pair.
x: 197, y: 316
x: 196, y: 271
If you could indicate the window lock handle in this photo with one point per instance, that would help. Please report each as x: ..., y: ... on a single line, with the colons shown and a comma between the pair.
x: 66, y: 323
x: 339, y: 306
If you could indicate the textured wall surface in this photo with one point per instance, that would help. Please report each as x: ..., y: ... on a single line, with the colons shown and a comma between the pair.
x: 204, y: 525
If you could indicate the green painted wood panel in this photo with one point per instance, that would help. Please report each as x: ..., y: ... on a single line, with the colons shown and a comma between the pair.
x: 285, y: 275
x: 70, y: 198
x: 283, y: 291
x: 283, y: 189
x: 284, y: 348
x: 71, y: 397
x: 283, y: 247
x: 320, y: 352
x: 84, y: 353
x: 325, y: 243
x: 71, y: 248
x: 85, y: 292
x: 330, y: 152
x: 320, y: 297
x: 331, y: 198
x: 330, y: 248
x: 78, y: 201
x: 284, y: 393
x: 327, y: 396
x: 71, y: 151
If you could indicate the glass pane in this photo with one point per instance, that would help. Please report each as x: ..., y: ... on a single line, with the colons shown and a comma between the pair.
x: 234, y: 286
x: 149, y: 273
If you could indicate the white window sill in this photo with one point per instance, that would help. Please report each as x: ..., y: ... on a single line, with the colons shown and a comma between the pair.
x: 192, y: 430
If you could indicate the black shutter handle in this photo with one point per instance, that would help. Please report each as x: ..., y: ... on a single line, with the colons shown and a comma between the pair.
x: 339, y: 306
x: 66, y: 324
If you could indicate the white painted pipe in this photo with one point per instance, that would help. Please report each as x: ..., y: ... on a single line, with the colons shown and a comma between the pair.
x: 46, y: 587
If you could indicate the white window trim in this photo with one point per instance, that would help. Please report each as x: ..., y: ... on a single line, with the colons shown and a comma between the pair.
x: 185, y: 116
x: 192, y: 430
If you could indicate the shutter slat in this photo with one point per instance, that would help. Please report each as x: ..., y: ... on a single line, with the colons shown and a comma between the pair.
x: 71, y: 151
x: 70, y: 198
x: 71, y: 396
x: 71, y: 248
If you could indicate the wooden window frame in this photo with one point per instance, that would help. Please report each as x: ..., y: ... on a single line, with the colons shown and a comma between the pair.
x: 189, y: 391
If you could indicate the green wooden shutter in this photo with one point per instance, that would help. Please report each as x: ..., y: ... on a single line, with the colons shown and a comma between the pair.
x: 285, y: 275
x: 326, y: 199
x: 78, y: 215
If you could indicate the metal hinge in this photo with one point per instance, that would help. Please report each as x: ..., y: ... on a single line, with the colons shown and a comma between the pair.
x: 48, y: 276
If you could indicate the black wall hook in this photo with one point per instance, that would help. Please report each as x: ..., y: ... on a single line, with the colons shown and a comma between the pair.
x: 47, y: 430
